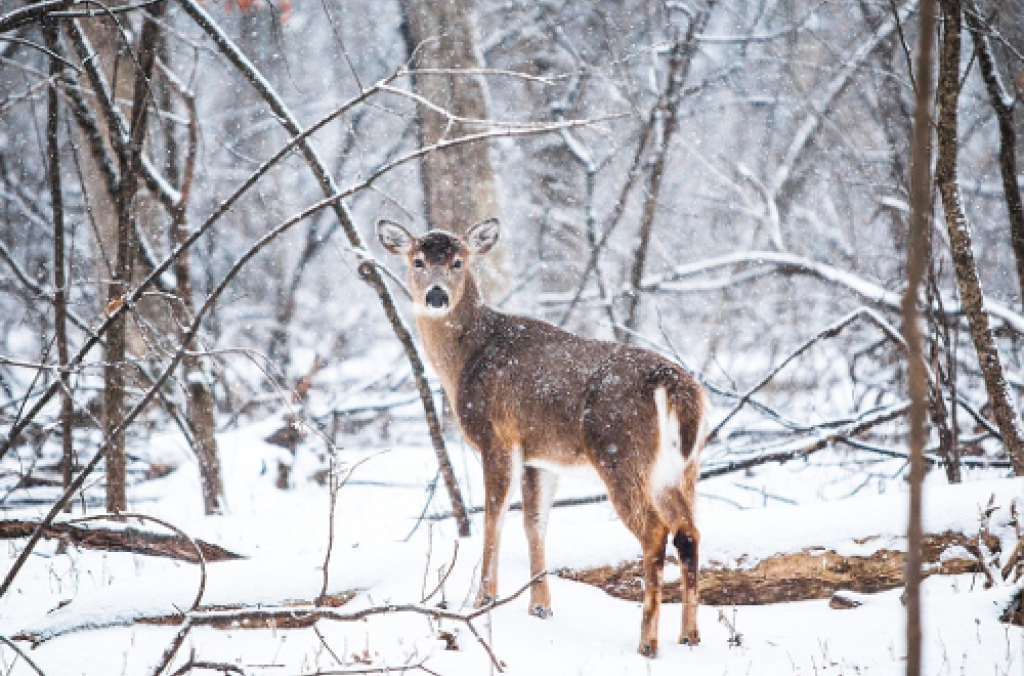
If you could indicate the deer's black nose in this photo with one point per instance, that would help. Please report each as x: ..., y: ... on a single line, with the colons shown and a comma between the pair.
x: 437, y: 297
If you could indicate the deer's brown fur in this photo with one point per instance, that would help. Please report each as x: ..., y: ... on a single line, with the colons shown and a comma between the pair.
x: 534, y: 399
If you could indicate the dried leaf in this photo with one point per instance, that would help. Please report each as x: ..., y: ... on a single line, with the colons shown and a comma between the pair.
x: 113, y: 305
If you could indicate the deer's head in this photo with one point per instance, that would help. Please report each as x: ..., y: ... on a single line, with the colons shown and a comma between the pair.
x: 438, y: 261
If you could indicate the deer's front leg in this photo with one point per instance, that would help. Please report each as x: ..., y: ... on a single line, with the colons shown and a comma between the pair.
x: 538, y: 493
x: 498, y: 469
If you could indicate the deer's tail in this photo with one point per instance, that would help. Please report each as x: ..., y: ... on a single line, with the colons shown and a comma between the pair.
x: 682, y: 428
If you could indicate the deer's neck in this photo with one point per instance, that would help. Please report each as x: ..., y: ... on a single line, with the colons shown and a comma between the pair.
x: 449, y: 341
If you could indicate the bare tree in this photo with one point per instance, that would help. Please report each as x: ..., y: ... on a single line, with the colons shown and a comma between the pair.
x: 661, y: 126
x: 1003, y: 105
x: 459, y: 184
x: 130, y: 161
x: 959, y: 229
x: 51, y: 35
x: 198, y: 386
x: 917, y: 258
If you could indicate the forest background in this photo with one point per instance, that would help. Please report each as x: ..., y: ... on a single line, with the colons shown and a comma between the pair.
x: 188, y: 193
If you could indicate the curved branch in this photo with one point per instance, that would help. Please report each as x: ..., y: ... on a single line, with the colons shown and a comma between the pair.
x: 793, y: 264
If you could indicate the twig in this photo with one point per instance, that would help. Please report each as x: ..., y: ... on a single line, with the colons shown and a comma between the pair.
x: 200, y: 558
x: 21, y: 653
x: 29, y: 13
x: 829, y: 332
x: 223, y: 667
x: 335, y: 488
x: 447, y: 574
x: 172, y: 649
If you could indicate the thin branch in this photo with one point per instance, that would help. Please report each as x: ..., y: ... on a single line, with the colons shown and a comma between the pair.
x: 31, y: 12
x: 200, y: 558
x: 21, y: 653
x: 831, y: 331
x: 804, y: 448
x: 35, y: 45
x: 794, y: 264
x: 172, y: 649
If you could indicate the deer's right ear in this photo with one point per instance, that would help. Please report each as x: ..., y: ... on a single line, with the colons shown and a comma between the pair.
x: 394, y: 237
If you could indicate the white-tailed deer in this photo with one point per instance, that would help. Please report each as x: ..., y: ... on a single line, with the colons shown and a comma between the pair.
x: 534, y: 399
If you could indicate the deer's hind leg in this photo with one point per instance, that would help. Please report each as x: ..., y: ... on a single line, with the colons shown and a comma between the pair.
x: 653, y: 543
x: 538, y: 493
x: 647, y: 525
x: 687, y: 542
x: 686, y: 539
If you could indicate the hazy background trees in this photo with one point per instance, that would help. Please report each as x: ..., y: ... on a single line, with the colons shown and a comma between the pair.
x: 745, y: 187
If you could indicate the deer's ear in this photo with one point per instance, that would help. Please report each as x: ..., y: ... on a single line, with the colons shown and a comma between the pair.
x: 482, y: 237
x: 394, y: 237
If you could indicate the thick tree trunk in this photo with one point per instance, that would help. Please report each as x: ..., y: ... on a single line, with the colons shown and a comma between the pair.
x: 459, y: 184
x: 918, y: 254
x: 961, y: 249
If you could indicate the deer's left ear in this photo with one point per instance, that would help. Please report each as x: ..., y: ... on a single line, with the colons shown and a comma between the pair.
x: 482, y: 237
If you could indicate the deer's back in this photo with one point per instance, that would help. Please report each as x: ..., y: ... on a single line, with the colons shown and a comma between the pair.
x: 529, y: 385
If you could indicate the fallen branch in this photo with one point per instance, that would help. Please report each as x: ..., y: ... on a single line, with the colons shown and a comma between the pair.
x: 298, y: 616
x: 127, y: 539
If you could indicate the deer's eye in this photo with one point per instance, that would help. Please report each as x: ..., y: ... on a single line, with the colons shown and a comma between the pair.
x: 457, y: 264
x: 419, y: 263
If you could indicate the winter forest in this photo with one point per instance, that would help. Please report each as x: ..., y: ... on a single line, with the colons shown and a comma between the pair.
x: 238, y: 434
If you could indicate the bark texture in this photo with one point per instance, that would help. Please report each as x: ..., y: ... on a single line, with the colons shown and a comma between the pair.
x: 961, y: 249
x: 459, y: 185
x: 117, y: 339
x: 1003, y: 104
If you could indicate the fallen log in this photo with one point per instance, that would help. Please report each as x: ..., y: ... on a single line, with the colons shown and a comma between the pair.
x: 127, y: 539
x: 812, y: 573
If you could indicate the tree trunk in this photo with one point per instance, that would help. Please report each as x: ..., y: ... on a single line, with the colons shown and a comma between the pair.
x: 664, y: 123
x: 917, y: 257
x: 117, y: 339
x: 459, y: 184
x: 51, y: 36
x: 961, y: 250
x: 1003, y: 104
x: 200, y: 405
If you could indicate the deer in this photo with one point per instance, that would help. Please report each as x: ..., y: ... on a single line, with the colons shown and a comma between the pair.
x: 535, y: 401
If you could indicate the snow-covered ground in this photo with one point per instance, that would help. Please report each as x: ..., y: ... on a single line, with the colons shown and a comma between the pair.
x: 284, y: 536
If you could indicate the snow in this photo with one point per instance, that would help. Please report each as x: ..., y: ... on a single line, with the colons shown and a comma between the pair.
x: 283, y: 534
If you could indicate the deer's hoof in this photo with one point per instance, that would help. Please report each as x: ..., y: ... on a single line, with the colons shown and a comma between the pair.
x: 484, y: 600
x: 649, y: 649
x: 691, y: 638
x: 543, y: 612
